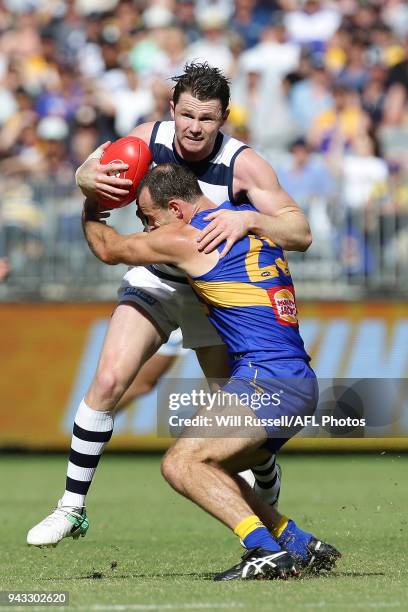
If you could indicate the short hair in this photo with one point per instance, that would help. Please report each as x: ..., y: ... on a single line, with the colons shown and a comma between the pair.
x: 203, y: 82
x: 168, y: 181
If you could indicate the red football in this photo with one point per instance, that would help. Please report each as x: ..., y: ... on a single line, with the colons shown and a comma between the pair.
x: 136, y: 154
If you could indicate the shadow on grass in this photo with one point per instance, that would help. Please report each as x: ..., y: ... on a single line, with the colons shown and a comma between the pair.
x: 96, y: 575
x: 114, y: 576
x: 338, y: 574
x: 359, y: 574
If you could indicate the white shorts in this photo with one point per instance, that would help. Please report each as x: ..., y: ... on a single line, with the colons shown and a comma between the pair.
x: 174, y: 345
x: 171, y: 304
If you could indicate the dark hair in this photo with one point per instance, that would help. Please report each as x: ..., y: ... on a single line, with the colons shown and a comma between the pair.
x: 168, y: 181
x: 299, y: 142
x: 203, y: 82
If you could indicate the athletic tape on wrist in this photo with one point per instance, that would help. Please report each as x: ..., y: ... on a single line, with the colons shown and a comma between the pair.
x: 97, y: 154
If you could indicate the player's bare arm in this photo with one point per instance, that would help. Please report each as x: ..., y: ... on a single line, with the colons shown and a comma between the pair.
x: 173, y: 244
x: 160, y: 246
x: 98, y: 180
x: 279, y: 217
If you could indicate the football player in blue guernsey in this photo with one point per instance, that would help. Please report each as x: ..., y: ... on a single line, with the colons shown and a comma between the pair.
x: 156, y: 300
x: 250, y: 300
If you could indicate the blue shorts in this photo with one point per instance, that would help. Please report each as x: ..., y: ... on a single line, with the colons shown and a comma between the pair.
x: 282, y: 393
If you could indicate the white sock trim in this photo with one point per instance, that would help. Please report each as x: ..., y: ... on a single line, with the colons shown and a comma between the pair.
x: 72, y: 500
x: 93, y: 420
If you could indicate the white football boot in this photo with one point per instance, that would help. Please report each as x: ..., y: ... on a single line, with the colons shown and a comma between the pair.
x: 63, y: 522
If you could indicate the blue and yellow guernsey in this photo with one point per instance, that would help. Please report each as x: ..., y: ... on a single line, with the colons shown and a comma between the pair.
x: 249, y: 296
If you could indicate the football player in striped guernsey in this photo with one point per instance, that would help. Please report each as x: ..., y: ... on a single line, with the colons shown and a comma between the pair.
x: 157, y: 299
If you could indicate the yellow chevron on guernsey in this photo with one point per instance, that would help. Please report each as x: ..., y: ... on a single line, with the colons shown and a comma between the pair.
x: 256, y: 273
x: 228, y: 294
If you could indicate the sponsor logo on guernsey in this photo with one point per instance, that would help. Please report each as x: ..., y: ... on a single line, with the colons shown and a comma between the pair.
x: 284, y: 304
x: 140, y: 294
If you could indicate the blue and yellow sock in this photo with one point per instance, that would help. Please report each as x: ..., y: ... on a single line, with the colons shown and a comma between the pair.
x: 292, y: 538
x: 280, y: 527
x: 253, y: 533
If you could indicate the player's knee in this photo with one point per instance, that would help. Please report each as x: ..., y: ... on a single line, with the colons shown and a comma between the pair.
x: 108, y: 384
x: 173, y: 469
x: 169, y: 467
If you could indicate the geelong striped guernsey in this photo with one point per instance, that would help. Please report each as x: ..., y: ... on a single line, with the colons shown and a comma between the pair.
x: 214, y: 173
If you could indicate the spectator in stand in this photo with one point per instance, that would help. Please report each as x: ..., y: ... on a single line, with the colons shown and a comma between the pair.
x: 384, y: 49
x: 397, y: 91
x: 269, y: 132
x: 249, y: 19
x: 364, y: 187
x: 354, y: 74
x: 128, y: 17
x: 186, y: 21
x: 174, y: 46
x: 147, y: 53
x: 259, y: 80
x: 84, y: 135
x: 373, y: 94
x: 237, y: 123
x: 21, y: 37
x: 313, y: 24
x: 362, y: 21
x: 338, y: 127
x: 393, y: 132
x: 305, y: 176
x: 213, y: 46
x: 89, y: 53
x: 310, y: 95
x: 24, y: 116
x: 61, y: 96
x: 162, y: 94
x: 274, y: 54
x: 337, y: 51
x: 395, y: 15
x: 364, y: 174
x: 128, y: 104
x: 8, y: 102
x: 113, y: 77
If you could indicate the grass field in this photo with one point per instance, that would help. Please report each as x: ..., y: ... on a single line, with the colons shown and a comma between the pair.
x: 149, y: 549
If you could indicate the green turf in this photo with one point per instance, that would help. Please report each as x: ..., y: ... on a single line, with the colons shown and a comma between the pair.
x: 147, y: 548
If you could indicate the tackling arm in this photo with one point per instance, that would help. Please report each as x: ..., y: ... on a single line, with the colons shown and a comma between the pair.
x: 279, y: 217
x: 164, y: 245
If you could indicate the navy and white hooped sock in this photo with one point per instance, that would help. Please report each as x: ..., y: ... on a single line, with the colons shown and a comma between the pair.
x: 267, y: 480
x: 92, y: 430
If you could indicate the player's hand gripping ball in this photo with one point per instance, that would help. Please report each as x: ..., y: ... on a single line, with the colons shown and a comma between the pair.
x: 136, y: 154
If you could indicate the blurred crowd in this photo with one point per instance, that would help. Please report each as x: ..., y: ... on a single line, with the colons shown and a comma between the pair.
x: 318, y: 87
